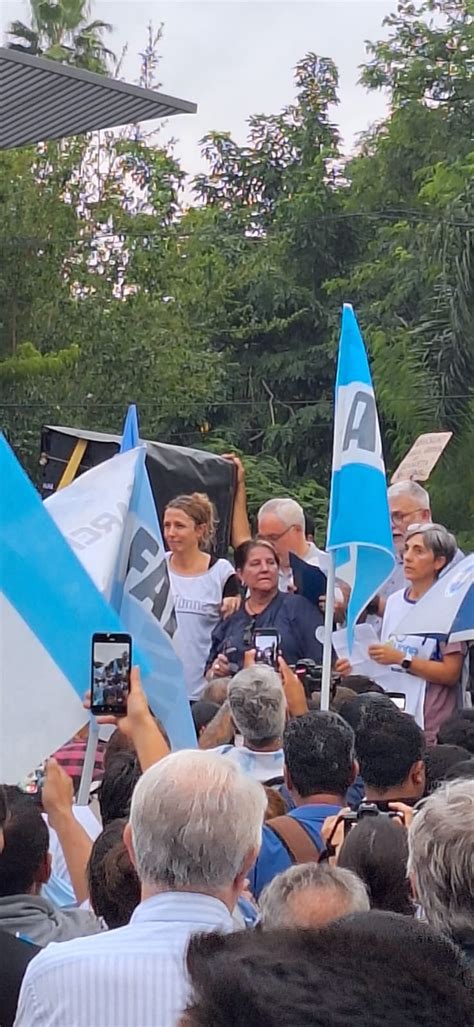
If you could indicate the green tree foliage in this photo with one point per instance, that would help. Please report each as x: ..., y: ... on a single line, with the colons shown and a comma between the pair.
x: 220, y: 320
x: 61, y: 31
x: 87, y: 323
x: 413, y: 277
x: 273, y: 217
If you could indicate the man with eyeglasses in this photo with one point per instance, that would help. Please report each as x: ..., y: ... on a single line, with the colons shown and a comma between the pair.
x: 282, y: 523
x: 409, y: 504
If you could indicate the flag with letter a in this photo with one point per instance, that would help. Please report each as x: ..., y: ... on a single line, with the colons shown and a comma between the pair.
x: 359, y: 529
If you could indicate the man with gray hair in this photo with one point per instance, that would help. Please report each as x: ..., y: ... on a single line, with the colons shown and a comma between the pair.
x: 409, y: 504
x: 258, y: 709
x: 282, y: 522
x: 195, y: 830
x: 312, y: 895
x: 441, y: 861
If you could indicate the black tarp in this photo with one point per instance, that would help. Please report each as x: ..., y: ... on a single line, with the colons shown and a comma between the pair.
x: 173, y: 470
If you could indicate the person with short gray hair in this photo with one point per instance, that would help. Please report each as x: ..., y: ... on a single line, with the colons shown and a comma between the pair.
x: 312, y: 895
x: 409, y: 504
x: 441, y: 861
x: 258, y: 709
x: 430, y: 672
x: 282, y: 523
x: 437, y: 538
x: 194, y: 833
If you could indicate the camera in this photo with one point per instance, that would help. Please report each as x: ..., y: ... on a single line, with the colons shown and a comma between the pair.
x: 366, y: 809
x: 310, y: 674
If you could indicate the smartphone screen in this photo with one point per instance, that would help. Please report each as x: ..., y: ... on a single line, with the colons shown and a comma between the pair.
x: 398, y: 698
x: 266, y: 644
x: 110, y: 673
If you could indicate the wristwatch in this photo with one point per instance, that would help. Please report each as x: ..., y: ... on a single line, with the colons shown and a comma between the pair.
x: 406, y: 662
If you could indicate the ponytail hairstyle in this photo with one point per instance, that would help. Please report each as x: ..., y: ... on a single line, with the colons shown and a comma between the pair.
x: 199, y: 508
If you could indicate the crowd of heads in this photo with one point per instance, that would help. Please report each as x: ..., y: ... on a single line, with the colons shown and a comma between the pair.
x: 193, y: 822
x: 377, y: 926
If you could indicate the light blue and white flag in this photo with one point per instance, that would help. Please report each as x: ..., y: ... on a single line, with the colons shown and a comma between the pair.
x: 131, y: 433
x: 49, y: 609
x: 359, y: 529
x: 109, y: 518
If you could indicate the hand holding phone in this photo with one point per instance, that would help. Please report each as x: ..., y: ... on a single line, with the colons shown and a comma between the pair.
x: 266, y: 642
x: 110, y: 673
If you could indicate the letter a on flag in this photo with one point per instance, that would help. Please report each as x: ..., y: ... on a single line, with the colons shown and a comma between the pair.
x: 359, y: 529
x: 109, y: 519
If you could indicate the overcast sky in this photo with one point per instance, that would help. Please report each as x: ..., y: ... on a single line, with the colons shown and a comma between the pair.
x: 236, y: 59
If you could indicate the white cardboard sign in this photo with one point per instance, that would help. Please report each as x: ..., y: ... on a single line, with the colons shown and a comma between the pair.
x: 422, y: 457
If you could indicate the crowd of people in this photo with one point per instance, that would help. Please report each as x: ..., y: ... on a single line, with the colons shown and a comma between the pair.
x: 299, y: 866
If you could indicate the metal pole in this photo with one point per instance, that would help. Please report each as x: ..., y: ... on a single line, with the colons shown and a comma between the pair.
x: 88, y: 766
x: 328, y: 630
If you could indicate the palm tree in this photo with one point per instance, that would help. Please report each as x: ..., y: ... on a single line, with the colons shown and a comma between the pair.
x: 60, y: 30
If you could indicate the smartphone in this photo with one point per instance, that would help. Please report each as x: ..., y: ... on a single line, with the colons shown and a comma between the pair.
x: 399, y: 698
x: 266, y: 643
x: 110, y: 673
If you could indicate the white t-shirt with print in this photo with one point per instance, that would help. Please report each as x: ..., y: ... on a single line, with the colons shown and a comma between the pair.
x: 398, y: 606
x: 197, y: 601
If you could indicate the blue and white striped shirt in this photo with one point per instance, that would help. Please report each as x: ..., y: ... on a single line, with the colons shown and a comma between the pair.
x: 133, y: 976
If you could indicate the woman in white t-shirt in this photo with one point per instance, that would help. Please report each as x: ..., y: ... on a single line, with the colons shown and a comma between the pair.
x: 204, y: 589
x: 428, y: 671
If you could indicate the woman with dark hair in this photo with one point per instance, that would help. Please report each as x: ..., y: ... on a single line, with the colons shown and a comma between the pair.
x: 114, y: 887
x: 376, y: 849
x: 293, y: 617
x: 364, y: 970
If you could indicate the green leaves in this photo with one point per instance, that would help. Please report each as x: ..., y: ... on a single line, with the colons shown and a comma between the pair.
x: 221, y: 320
x: 413, y: 281
x: 59, y: 30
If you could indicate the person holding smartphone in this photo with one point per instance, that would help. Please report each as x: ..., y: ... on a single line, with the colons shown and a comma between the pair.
x: 268, y: 613
x: 204, y: 589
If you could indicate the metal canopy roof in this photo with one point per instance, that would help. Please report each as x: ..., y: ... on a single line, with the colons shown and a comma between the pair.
x: 43, y: 99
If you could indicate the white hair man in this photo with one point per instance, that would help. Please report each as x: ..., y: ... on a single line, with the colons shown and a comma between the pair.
x: 282, y: 522
x: 195, y: 830
x: 312, y: 895
x: 441, y: 861
x: 258, y: 709
x: 409, y: 504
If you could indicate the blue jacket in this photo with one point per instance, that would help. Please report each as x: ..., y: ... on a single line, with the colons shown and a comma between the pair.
x: 295, y: 618
x: 274, y: 857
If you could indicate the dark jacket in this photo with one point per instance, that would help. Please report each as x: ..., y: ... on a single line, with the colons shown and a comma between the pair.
x: 15, y: 954
x: 295, y: 619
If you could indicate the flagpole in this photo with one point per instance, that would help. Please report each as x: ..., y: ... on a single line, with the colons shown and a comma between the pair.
x: 328, y: 629
x: 88, y: 765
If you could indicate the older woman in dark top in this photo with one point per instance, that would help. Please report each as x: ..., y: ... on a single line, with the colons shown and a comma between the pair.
x: 294, y: 618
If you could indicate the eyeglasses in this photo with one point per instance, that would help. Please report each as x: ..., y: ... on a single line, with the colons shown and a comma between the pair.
x: 399, y: 518
x: 273, y: 539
